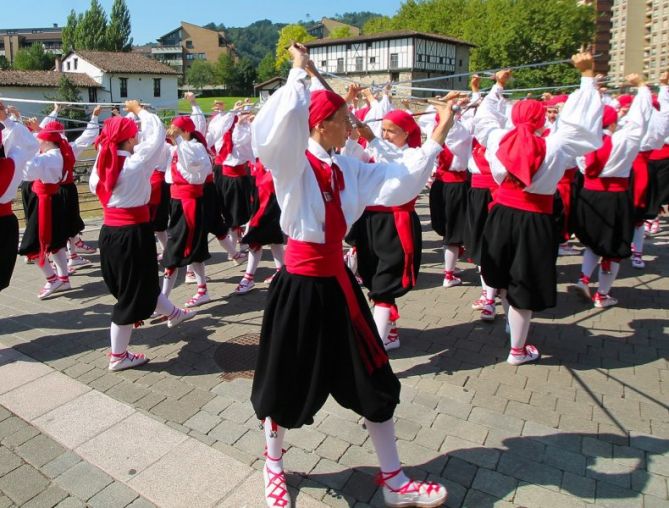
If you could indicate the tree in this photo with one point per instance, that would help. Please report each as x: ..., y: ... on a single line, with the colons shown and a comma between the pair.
x: 340, y: 32
x: 288, y: 35
x: 33, y: 58
x: 224, y: 69
x: 70, y: 31
x: 68, y: 92
x: 244, y: 77
x: 200, y: 74
x: 4, y: 63
x: 91, y: 32
x: 118, y: 32
x: 266, y: 68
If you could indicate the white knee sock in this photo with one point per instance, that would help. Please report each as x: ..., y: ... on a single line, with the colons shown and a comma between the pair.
x: 277, y: 253
x: 169, y: 280
x: 253, y: 261
x: 505, y: 302
x: 489, y: 292
x: 450, y: 257
x: 165, y: 307
x: 234, y: 237
x: 519, y: 323
x: 71, y: 248
x: 120, y: 338
x: 46, y: 269
x: 60, y: 260
x: 229, y: 245
x: 382, y: 321
x: 637, y: 242
x: 162, y: 239
x: 383, y: 439
x: 606, y: 280
x: 200, y: 277
x: 590, y: 260
x: 274, y: 443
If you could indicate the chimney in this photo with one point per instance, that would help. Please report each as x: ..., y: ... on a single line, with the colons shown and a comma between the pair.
x: 55, y: 25
x: 59, y: 64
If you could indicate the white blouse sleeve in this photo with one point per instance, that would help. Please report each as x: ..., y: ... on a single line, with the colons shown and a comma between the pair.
x: 490, y: 116
x: 20, y: 145
x: 377, y: 110
x: 147, y: 153
x: 86, y: 138
x: 197, y: 116
x: 194, y: 159
x: 47, y: 166
x: 354, y: 149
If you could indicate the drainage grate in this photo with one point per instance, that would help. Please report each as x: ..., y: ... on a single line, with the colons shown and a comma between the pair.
x: 237, y: 357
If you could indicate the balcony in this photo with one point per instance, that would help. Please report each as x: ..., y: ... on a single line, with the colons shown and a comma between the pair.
x: 166, y: 49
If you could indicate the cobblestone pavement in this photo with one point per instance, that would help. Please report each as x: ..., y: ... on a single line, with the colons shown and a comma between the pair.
x: 589, y: 424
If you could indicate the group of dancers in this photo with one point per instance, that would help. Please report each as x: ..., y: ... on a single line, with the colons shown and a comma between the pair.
x: 510, y: 184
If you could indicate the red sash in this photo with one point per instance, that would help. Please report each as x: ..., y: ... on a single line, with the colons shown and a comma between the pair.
x: 514, y: 197
x: 157, y: 179
x: 7, y: 169
x: 44, y: 191
x: 117, y: 217
x: 235, y: 171
x: 478, y: 153
x: 595, y: 161
x: 483, y: 181
x: 188, y: 194
x: 6, y: 209
x: 610, y: 184
x: 326, y: 260
x: 227, y: 146
x: 451, y: 176
x: 265, y: 186
x: 640, y: 171
x: 661, y: 154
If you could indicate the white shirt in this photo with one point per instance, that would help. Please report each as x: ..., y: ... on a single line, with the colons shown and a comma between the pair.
x: 133, y: 187
x: 218, y: 126
x: 579, y: 132
x: 280, y: 138
x: 20, y: 146
x: 194, y: 162
x: 658, y: 127
x: 242, y: 146
x: 85, y: 139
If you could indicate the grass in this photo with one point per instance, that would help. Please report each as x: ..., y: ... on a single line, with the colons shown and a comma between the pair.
x: 207, y: 102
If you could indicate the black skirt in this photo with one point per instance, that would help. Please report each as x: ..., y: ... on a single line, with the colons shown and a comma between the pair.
x: 59, y: 234
x: 160, y: 213
x: 177, y: 234
x: 9, y: 232
x: 213, y: 212
x: 658, y: 187
x: 604, y: 222
x: 26, y: 195
x: 130, y: 271
x: 448, y: 210
x: 308, y: 351
x: 478, y: 202
x: 235, y: 194
x: 73, y: 222
x: 380, y: 254
x: 518, y: 254
x: 268, y: 230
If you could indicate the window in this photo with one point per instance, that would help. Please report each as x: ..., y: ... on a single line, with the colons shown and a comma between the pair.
x: 372, y: 59
x: 340, y: 65
x: 324, y: 63
x: 76, y: 63
x: 189, y: 44
x: 156, y: 87
x: 460, y: 62
x: 92, y: 95
x: 394, y: 61
x: 68, y: 66
x: 124, y: 86
x: 394, y: 76
x: 358, y: 63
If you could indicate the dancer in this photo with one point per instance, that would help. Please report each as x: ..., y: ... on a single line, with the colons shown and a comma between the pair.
x: 519, y: 240
x: 318, y: 336
x: 121, y: 180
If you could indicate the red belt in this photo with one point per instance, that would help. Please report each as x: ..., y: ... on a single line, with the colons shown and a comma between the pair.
x: 6, y: 209
x: 117, y: 217
x: 451, y: 176
x: 607, y: 184
x: 483, y: 181
x: 521, y: 200
x: 325, y: 260
x: 188, y: 195
x: 404, y: 226
x: 235, y: 171
x: 157, y: 179
x: 661, y: 154
x: 640, y: 170
x: 44, y: 192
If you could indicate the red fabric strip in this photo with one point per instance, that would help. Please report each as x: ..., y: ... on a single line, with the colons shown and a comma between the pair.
x: 640, y: 182
x: 265, y: 186
x: 451, y: 176
x: 235, y: 171
x: 6, y: 209
x: 483, y: 181
x: 521, y: 200
x: 44, y: 191
x: 610, y: 184
x: 661, y: 154
x: 117, y: 217
x: 7, y: 169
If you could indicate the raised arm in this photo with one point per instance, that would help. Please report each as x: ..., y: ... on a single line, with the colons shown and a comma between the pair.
x: 196, y: 114
x: 19, y: 143
x: 87, y: 137
x: 147, y: 151
x: 50, y: 117
x: 491, y: 114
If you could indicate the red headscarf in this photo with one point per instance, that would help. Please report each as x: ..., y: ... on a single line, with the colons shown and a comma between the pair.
x: 625, y: 101
x: 186, y: 124
x: 116, y: 130
x: 324, y: 104
x: 407, y: 123
x: 53, y: 132
x: 521, y: 151
x: 609, y: 117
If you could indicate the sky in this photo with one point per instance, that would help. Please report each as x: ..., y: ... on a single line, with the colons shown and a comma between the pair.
x: 154, y: 18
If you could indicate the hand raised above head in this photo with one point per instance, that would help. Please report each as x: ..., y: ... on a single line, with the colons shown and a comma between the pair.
x: 635, y: 79
x: 584, y: 62
x: 501, y: 77
x: 133, y: 106
x: 299, y: 54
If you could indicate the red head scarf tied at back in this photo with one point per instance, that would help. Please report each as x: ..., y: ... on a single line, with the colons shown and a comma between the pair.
x: 625, y: 101
x: 186, y: 124
x: 609, y: 117
x: 53, y: 132
x: 323, y: 105
x: 407, y: 123
x: 521, y: 151
x: 116, y: 130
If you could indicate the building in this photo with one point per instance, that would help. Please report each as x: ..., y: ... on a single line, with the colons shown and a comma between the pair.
x: 43, y: 85
x: 601, y: 45
x: 325, y: 26
x: 400, y: 55
x: 267, y: 88
x: 187, y: 43
x: 124, y: 76
x: 14, y: 39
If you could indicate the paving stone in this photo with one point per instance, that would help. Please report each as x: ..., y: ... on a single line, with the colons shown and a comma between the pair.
x: 496, y: 420
x: 494, y: 483
x: 70, y: 502
x: 565, y: 460
x: 23, y: 483
x: 305, y: 437
x: 343, y: 429
x: 49, y: 497
x: 331, y: 474
x: 228, y: 432
x: 597, y: 448
x: 24, y: 434
x: 127, y: 392
x: 202, y: 422
x: 530, y: 471
x: 8, y: 461
x: 175, y: 410
x: 460, y: 471
x: 217, y: 405
x: 650, y: 484
x: 60, y: 464
x: 533, y: 495
x: 613, y: 496
x: 579, y: 486
x: 331, y: 448
x: 659, y: 465
x: 654, y: 502
x: 141, y: 503
x: 10, y: 426
x: 114, y: 494
x: 470, y: 452
x: 5, y: 502
x: 478, y: 499
x: 431, y: 438
x: 83, y: 480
